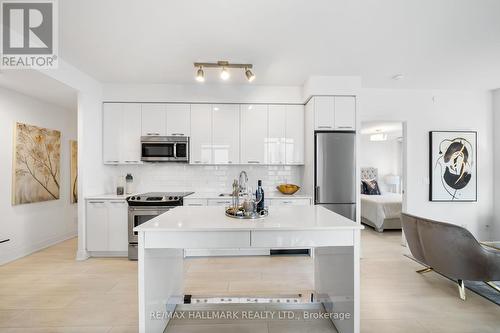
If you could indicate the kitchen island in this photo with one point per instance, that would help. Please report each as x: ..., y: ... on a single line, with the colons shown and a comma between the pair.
x: 334, y: 238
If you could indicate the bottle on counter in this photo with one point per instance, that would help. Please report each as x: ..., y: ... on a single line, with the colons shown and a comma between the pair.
x: 259, y: 196
x: 129, y: 183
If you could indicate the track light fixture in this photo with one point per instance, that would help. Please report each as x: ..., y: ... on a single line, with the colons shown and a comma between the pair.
x: 200, y: 75
x: 224, y: 74
x: 249, y: 74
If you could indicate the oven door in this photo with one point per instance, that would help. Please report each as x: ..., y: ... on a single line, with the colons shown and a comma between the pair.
x: 140, y: 215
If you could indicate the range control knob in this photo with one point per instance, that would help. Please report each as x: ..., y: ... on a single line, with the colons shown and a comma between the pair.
x: 137, y: 198
x: 176, y: 198
x: 170, y: 198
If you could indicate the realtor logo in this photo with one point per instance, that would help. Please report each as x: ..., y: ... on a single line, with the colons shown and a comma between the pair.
x: 29, y: 34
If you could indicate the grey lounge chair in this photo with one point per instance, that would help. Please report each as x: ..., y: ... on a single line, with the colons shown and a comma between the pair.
x: 451, y: 250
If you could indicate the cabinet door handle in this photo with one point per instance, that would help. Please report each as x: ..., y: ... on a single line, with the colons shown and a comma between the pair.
x: 286, y: 202
x: 344, y: 126
x: 117, y: 202
x: 195, y: 205
x: 254, y: 162
x: 324, y: 126
x: 317, y: 193
x: 178, y: 134
x: 112, y: 161
x: 152, y: 133
x: 96, y: 202
x: 196, y: 161
x: 131, y: 161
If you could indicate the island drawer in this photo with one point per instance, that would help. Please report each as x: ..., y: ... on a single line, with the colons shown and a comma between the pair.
x: 302, y: 238
x: 197, y: 239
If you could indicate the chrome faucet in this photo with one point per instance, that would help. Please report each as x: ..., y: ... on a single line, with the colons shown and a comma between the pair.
x: 243, y: 181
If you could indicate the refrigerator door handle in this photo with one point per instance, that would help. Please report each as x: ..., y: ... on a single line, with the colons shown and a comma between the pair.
x: 317, y: 194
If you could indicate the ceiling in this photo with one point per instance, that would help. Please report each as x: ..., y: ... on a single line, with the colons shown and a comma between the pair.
x: 451, y: 44
x: 40, y: 86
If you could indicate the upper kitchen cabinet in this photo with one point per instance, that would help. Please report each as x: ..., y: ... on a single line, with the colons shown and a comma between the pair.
x: 226, y: 134
x: 112, y: 120
x: 122, y: 133
x: 324, y: 113
x: 254, y: 132
x: 334, y: 113
x: 154, y: 120
x: 294, y: 134
x: 345, y: 113
x: 201, y: 134
x: 131, y: 133
x: 178, y: 119
x: 276, y: 134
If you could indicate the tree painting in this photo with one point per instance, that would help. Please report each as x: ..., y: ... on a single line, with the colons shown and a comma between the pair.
x: 74, y: 171
x: 36, y: 164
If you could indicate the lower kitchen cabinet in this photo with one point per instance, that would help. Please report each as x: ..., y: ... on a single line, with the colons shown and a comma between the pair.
x: 107, y: 226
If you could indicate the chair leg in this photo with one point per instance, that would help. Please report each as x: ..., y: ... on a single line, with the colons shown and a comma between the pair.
x: 461, y: 289
x: 492, y: 285
x: 425, y: 270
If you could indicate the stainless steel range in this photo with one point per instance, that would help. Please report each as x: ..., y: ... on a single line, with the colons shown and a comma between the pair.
x: 144, y: 207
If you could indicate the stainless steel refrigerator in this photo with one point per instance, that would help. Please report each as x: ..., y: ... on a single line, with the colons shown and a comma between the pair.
x: 335, y: 172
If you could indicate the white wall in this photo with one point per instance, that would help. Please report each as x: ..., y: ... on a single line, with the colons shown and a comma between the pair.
x: 383, y: 155
x: 424, y: 111
x: 496, y: 130
x: 207, y: 93
x: 37, y: 225
x: 91, y: 171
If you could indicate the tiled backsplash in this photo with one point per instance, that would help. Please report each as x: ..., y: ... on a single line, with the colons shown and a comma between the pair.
x: 196, y: 178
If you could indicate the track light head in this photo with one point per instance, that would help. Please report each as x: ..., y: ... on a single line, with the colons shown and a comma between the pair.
x: 249, y: 74
x: 224, y: 74
x: 200, y: 75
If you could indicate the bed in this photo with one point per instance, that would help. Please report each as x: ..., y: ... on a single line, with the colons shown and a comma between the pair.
x: 380, y: 211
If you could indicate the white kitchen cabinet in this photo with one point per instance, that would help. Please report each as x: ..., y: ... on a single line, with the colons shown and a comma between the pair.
x: 324, y: 112
x: 122, y: 133
x: 154, y: 119
x: 107, y: 226
x: 220, y: 202
x: 131, y: 133
x: 201, y: 134
x: 294, y: 134
x: 226, y: 134
x: 276, y: 134
x: 345, y: 113
x: 111, y: 132
x: 194, y: 202
x: 117, y: 225
x: 178, y: 119
x: 254, y: 132
x: 289, y: 202
x: 97, y: 229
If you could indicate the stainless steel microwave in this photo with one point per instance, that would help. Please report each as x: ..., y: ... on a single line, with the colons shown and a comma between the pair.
x: 164, y: 148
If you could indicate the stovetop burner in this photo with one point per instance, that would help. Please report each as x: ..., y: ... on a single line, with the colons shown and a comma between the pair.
x: 158, y: 199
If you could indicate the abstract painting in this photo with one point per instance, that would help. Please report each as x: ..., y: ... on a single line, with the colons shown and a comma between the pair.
x: 36, y: 164
x: 73, y: 171
x: 453, y: 166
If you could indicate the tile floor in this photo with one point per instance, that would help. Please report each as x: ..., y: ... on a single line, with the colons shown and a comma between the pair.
x: 49, y: 291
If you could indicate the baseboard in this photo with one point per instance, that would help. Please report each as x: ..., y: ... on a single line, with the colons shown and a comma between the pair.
x: 15, y: 254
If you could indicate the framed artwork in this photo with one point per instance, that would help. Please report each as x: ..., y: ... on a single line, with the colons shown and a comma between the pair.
x: 73, y: 171
x: 453, y: 166
x: 36, y: 164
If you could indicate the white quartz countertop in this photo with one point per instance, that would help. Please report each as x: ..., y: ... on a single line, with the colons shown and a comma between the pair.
x: 209, y: 218
x: 268, y: 195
